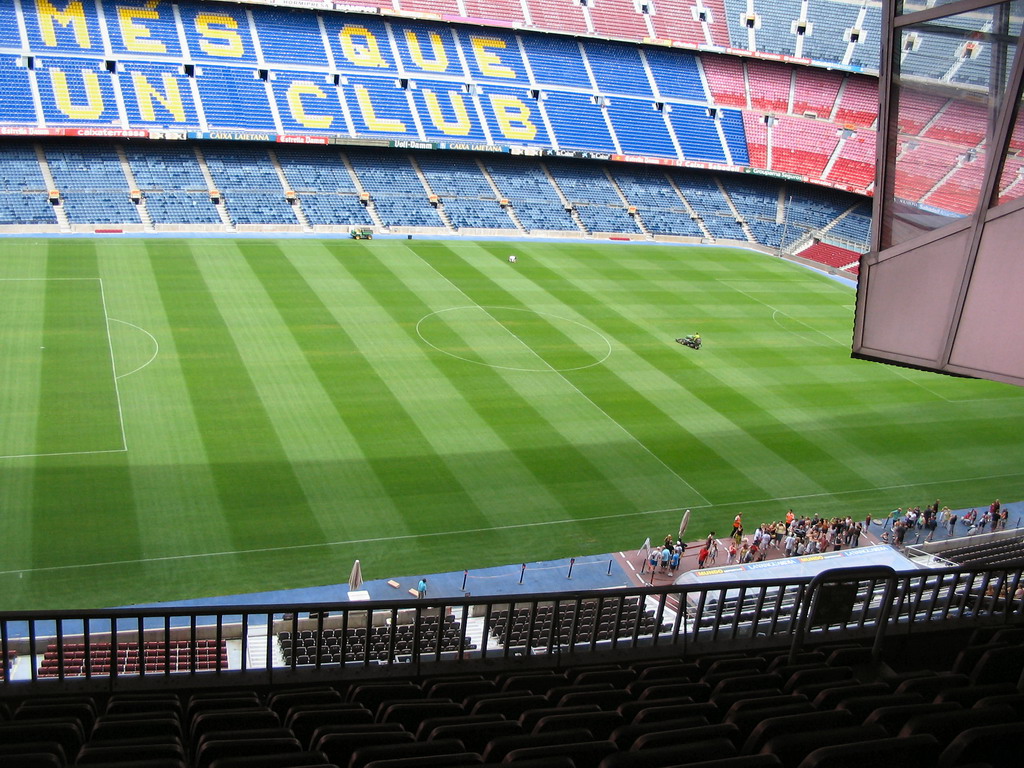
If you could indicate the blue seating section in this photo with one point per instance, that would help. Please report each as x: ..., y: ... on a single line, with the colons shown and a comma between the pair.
x: 15, y: 93
x: 95, y: 191
x: 468, y: 199
x: 697, y: 132
x: 829, y: 23
x: 92, y: 184
x: 452, y: 175
x: 582, y: 183
x: 178, y: 207
x: 475, y: 213
x: 735, y: 135
x: 216, y: 34
x: 165, y: 167
x: 855, y: 227
x: 556, y: 61
x: 161, y: 39
x: 286, y: 38
x: 223, y: 89
x: 9, y: 37
x: 754, y: 198
x: 19, y: 169
x: 309, y: 169
x: 76, y: 91
x: 160, y: 95
x: 173, y: 185
x: 534, y: 200
x: 332, y: 209
x: 493, y: 56
x: 703, y: 194
x: 676, y: 74
x: 660, y: 207
x: 397, y: 192
x: 866, y: 52
x: 450, y: 112
x: 617, y: 68
x: 641, y: 128
x: 775, y: 34
x: 428, y: 49
x: 578, y: 122
x: 535, y: 215
x: 724, y: 228
x: 23, y: 197
x: 606, y: 218
x: 250, y: 185
x: 382, y: 107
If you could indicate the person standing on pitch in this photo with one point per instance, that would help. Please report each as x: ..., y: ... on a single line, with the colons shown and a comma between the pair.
x: 422, y: 588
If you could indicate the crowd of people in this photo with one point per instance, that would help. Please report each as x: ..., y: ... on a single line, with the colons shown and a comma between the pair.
x: 797, y: 535
x: 992, y: 519
x: 793, y: 536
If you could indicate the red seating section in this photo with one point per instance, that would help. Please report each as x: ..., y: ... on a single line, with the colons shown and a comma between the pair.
x: 757, y: 139
x: 920, y: 167
x: 959, y: 193
x: 816, y: 91
x: 431, y: 7
x: 769, y: 86
x: 154, y: 657
x: 802, y: 146
x: 856, y: 162
x: 618, y: 18
x: 959, y: 123
x: 563, y: 15
x: 505, y: 10
x: 829, y: 255
x: 676, y: 21
x: 725, y: 79
x: 858, y: 103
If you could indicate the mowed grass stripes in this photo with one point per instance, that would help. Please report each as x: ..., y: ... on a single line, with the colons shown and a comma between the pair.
x: 241, y: 415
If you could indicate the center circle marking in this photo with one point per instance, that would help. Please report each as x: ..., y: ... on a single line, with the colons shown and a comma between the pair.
x: 542, y: 366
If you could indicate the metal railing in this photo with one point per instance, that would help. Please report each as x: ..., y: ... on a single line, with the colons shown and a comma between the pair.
x: 236, y: 645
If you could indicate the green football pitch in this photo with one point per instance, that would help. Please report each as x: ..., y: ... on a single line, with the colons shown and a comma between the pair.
x: 184, y: 418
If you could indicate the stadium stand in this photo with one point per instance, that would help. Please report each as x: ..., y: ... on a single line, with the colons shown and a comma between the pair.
x: 300, y: 72
x: 802, y: 146
x: 618, y: 18
x: 829, y: 255
x: 855, y: 163
x: 23, y: 190
x: 557, y: 16
x: 814, y: 93
x: 398, y: 194
x: 726, y: 80
x: 535, y: 201
x: 468, y: 199
x: 253, y: 191
x: 661, y: 208
x: 92, y: 183
x: 858, y: 103
x: 770, y: 87
x: 826, y: 38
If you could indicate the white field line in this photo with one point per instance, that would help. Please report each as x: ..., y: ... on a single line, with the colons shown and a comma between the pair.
x: 156, y: 346
x: 113, y: 368
x: 562, y: 376
x: 65, y: 453
x: 110, y: 347
x: 488, y: 529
